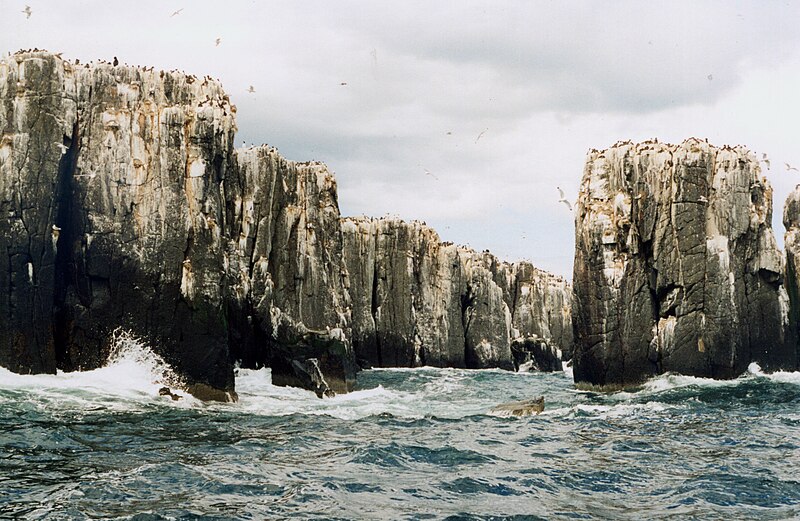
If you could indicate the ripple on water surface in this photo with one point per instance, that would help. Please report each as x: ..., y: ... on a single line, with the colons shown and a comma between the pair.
x: 409, y: 444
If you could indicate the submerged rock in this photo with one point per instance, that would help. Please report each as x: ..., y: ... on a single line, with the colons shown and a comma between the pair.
x: 166, y: 391
x: 676, y: 267
x: 521, y: 408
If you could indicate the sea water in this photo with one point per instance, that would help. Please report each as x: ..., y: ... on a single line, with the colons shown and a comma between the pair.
x: 408, y: 444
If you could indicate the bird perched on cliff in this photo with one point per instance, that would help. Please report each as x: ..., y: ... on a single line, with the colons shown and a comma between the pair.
x: 563, y: 199
x: 115, y: 62
x: 251, y: 89
x: 27, y: 11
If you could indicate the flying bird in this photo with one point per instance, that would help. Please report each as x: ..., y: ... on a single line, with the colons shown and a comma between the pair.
x: 176, y: 13
x: 710, y: 77
x: 217, y: 42
x: 765, y: 159
x: 63, y: 148
x: 27, y: 11
x: 480, y: 135
x: 427, y: 172
x: 251, y: 89
x: 563, y: 198
x: 343, y: 83
x: 790, y: 167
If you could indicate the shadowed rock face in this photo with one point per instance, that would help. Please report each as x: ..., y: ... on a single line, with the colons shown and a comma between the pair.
x: 110, y: 179
x: 791, y: 221
x: 286, y: 270
x: 417, y: 301
x: 676, y: 268
x: 128, y: 206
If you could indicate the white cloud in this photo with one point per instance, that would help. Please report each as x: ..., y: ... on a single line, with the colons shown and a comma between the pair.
x: 544, y: 81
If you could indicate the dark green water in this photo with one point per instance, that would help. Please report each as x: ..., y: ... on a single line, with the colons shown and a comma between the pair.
x: 411, y: 444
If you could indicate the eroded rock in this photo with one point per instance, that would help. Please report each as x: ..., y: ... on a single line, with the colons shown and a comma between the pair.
x: 418, y: 301
x: 676, y: 266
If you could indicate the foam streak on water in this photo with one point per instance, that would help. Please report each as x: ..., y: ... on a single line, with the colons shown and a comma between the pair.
x: 409, y: 444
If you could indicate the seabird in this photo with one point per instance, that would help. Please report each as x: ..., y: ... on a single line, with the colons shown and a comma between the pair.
x: 765, y: 159
x: 251, y: 89
x: 116, y: 61
x: 563, y: 199
x: 27, y: 11
x: 790, y: 167
x: 217, y: 42
x: 343, y: 83
x: 63, y: 148
x: 481, y: 135
x: 176, y: 13
x: 427, y: 172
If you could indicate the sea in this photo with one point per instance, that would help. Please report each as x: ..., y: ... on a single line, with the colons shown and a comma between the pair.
x: 413, y: 444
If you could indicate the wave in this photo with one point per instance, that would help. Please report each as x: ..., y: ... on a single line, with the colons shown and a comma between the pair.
x: 133, y: 373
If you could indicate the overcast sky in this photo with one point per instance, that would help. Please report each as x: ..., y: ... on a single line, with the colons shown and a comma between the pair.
x: 466, y: 115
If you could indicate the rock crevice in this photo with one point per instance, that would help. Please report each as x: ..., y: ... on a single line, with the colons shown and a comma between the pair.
x: 676, y: 266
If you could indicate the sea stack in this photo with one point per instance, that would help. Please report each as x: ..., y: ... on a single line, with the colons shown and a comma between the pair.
x: 676, y: 266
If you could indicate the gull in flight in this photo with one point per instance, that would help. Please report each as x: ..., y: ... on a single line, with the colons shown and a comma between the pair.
x: 217, y: 42
x: 427, y: 172
x: 480, y: 135
x: 27, y: 11
x: 563, y: 199
x: 63, y: 148
x: 765, y: 159
x: 176, y: 13
x: 251, y: 89
x: 790, y: 167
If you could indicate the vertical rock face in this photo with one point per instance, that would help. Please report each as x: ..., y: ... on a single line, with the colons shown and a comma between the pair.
x: 35, y: 120
x: 791, y: 221
x: 110, y: 178
x: 286, y: 268
x: 126, y: 206
x: 676, y: 266
x: 417, y: 301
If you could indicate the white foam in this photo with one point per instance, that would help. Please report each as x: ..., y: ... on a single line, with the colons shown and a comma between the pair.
x: 133, y: 374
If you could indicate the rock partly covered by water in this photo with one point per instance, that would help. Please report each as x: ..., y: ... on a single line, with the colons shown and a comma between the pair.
x: 418, y: 301
x: 676, y: 267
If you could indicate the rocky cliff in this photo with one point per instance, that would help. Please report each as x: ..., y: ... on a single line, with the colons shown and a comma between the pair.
x: 418, y: 301
x: 791, y: 221
x: 127, y: 206
x: 676, y: 267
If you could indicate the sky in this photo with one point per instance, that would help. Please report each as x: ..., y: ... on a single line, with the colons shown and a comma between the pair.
x: 465, y: 115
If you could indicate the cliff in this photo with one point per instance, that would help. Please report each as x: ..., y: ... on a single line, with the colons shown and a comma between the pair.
x: 676, y: 267
x: 127, y: 206
x: 418, y: 301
